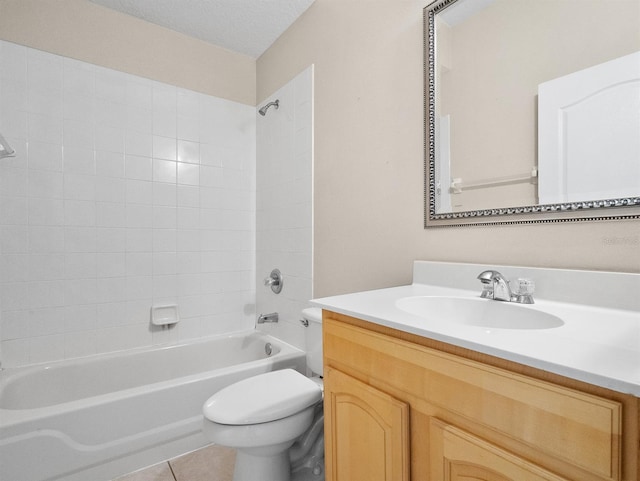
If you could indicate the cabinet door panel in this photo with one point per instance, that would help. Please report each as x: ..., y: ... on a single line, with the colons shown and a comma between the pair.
x: 367, y: 432
x: 574, y: 427
x: 459, y: 456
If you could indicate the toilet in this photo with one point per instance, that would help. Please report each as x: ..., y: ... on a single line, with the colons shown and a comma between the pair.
x: 263, y: 416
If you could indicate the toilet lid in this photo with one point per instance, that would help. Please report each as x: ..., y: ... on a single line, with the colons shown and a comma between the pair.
x: 263, y: 398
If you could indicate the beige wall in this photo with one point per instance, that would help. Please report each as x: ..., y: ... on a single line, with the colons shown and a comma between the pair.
x: 85, y: 31
x: 369, y: 159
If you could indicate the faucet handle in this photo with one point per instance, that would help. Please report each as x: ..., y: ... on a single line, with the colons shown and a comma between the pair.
x: 524, y: 290
x: 274, y: 281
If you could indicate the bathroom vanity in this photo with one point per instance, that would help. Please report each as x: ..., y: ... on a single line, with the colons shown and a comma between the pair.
x: 410, y: 397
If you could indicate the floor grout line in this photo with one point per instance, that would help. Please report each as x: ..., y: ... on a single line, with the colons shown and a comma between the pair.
x: 172, y: 472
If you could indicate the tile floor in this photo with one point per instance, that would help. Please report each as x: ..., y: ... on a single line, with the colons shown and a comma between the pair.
x: 212, y: 463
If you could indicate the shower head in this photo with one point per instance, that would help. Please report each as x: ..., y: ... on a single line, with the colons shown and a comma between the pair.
x: 263, y: 110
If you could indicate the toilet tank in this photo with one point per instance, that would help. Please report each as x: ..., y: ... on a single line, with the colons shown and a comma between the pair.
x: 313, y: 338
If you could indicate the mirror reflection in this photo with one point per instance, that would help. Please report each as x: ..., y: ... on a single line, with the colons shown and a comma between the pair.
x: 534, y: 102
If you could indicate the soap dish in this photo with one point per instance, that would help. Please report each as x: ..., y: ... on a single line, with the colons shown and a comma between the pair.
x: 164, y: 315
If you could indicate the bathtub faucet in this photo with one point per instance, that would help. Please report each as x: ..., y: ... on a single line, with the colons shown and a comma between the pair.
x: 273, y: 317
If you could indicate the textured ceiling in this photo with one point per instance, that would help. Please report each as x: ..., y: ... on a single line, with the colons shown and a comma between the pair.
x: 244, y: 26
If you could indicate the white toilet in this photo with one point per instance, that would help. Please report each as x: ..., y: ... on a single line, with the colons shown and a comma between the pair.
x: 264, y: 415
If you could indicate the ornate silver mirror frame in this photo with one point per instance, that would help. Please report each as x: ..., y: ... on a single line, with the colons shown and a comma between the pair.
x: 609, y: 209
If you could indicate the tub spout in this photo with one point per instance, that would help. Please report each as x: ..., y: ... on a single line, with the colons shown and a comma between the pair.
x: 273, y: 317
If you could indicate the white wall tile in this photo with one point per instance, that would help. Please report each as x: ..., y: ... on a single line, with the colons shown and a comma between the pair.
x: 109, y: 164
x: 138, y: 144
x: 80, y: 265
x: 45, y: 184
x: 13, y: 210
x: 139, y: 264
x: 164, y: 148
x: 138, y: 167
x: 164, y: 194
x: 188, y: 103
x: 79, y: 187
x: 188, y: 128
x: 79, y: 213
x: 164, y: 217
x: 165, y: 287
x: 15, y: 239
x: 109, y: 113
x: 43, y: 102
x: 164, y: 124
x: 164, y: 240
x: 46, y: 211
x: 14, y: 267
x: 45, y: 267
x: 111, y: 264
x: 46, y: 348
x: 138, y: 192
x: 284, y: 192
x: 139, y: 119
x: 78, y: 107
x: 15, y: 296
x: 110, y: 189
x: 106, y: 210
x: 109, y: 214
x: 111, y: 239
x: 45, y: 156
x: 139, y: 216
x: 110, y: 85
x: 15, y: 352
x: 79, y: 344
x: 76, y: 133
x: 78, y: 78
x: 13, y: 182
x: 79, y: 239
x: 139, y: 94
x: 140, y: 290
x: 139, y: 240
x: 188, y: 174
x: 41, y: 239
x: 111, y: 289
x: 80, y: 318
x: 110, y: 139
x: 78, y: 160
x: 15, y: 325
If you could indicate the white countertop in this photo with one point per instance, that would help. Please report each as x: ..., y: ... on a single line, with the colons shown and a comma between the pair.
x: 597, y: 345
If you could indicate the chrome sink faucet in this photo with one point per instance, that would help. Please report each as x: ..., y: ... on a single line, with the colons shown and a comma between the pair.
x: 496, y: 286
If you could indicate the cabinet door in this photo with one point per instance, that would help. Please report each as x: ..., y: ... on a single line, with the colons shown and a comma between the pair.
x: 366, y: 430
x: 456, y: 455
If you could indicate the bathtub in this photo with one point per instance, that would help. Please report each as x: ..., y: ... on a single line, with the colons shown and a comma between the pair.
x: 96, y: 418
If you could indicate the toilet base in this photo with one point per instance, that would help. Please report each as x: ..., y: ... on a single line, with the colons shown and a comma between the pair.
x: 262, y: 468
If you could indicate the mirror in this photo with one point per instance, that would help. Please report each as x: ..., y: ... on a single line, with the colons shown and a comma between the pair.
x: 532, y: 111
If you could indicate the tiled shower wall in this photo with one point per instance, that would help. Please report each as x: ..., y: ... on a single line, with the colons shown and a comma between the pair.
x: 285, y: 205
x: 125, y: 193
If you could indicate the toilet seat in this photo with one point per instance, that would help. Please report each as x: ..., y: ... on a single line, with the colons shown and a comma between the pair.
x: 263, y: 398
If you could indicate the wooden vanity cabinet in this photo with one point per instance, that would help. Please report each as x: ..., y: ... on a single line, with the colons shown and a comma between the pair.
x: 401, y: 407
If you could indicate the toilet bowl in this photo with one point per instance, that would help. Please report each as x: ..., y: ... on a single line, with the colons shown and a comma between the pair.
x: 263, y: 416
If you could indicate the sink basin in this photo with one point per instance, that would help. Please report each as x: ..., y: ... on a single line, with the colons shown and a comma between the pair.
x: 472, y: 311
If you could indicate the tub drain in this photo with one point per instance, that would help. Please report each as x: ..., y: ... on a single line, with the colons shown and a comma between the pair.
x: 268, y: 348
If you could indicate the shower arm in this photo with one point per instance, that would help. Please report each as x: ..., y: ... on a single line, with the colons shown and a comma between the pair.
x: 263, y: 110
x: 5, y: 148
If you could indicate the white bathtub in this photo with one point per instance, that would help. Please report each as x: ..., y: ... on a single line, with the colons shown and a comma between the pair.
x: 95, y: 418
